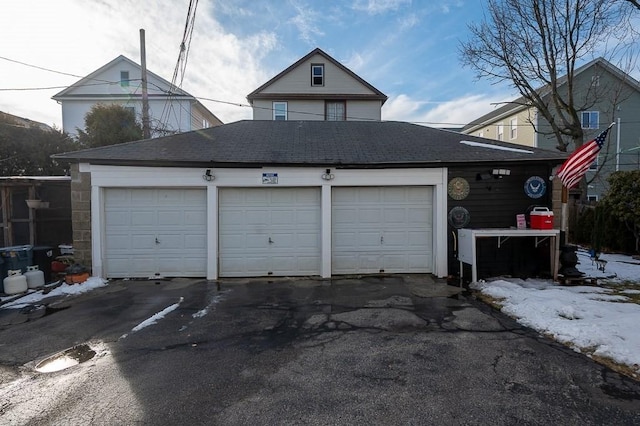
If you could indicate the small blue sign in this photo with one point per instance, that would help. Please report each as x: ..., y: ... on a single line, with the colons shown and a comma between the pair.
x: 535, y: 187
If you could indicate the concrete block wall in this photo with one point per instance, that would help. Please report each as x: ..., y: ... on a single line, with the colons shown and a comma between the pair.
x: 81, y: 215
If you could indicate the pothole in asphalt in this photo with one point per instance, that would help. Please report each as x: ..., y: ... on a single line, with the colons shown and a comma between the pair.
x: 65, y: 359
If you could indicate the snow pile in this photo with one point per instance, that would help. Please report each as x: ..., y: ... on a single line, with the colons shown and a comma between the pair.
x: 596, y: 320
x: 63, y: 290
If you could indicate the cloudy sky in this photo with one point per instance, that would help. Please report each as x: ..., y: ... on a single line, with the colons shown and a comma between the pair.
x: 407, y: 49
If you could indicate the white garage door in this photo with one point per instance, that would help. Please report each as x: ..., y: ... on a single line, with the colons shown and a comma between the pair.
x: 269, y: 231
x: 382, y: 229
x: 155, y: 231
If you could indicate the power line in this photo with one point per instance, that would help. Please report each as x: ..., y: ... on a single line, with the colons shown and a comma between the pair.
x: 20, y: 89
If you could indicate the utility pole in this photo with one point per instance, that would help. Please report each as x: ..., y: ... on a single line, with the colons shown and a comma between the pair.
x: 145, y: 95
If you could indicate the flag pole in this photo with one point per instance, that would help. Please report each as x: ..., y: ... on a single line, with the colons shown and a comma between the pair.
x: 563, y: 216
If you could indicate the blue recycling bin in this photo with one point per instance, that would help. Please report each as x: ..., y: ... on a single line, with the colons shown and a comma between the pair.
x: 16, y: 257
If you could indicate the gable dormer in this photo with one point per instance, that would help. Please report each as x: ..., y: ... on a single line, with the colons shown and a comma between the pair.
x: 317, y: 87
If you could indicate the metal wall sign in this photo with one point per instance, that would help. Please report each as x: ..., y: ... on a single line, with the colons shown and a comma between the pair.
x: 269, y: 178
x: 535, y: 187
x: 458, y: 188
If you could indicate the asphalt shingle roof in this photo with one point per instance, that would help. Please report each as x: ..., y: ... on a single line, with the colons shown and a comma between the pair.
x: 253, y: 143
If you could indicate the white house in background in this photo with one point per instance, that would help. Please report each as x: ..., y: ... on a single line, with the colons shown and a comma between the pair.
x: 171, y: 109
x: 317, y: 87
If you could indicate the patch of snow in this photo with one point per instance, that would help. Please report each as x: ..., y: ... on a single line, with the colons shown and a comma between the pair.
x: 498, y: 147
x: 589, y: 318
x: 155, y: 317
x: 63, y: 290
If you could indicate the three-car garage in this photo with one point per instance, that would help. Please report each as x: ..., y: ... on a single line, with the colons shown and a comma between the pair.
x: 286, y: 230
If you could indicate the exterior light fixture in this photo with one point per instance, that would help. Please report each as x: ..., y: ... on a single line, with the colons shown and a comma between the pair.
x: 327, y: 175
x: 208, y: 176
x: 499, y: 173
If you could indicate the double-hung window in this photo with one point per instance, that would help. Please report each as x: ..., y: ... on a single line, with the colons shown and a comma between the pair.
x: 317, y: 74
x: 514, y: 128
x: 590, y: 120
x: 500, y: 132
x: 124, y: 78
x: 335, y: 111
x: 280, y: 111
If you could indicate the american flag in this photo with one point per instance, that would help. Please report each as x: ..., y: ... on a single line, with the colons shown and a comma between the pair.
x: 575, y: 167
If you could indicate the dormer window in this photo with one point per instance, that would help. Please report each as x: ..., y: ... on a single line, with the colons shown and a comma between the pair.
x: 124, y: 78
x: 317, y: 74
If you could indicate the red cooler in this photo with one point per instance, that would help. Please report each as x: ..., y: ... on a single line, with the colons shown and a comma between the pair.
x: 541, y: 218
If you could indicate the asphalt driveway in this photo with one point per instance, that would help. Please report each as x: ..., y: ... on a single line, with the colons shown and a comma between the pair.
x: 373, y: 350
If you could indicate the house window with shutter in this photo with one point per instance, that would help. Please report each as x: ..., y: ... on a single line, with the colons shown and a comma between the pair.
x: 124, y: 78
x: 317, y: 74
x: 335, y: 111
x: 280, y: 111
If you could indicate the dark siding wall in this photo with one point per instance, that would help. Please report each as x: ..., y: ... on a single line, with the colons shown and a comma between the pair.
x: 53, y: 225
x: 494, y: 203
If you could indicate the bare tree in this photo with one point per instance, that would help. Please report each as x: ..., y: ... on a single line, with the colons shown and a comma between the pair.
x: 536, y: 45
x: 634, y: 3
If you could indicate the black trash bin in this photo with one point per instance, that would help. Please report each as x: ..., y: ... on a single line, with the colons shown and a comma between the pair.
x: 42, y: 256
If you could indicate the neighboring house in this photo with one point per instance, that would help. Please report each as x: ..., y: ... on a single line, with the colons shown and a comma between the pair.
x: 607, y: 94
x: 171, y: 110
x: 302, y: 198
x: 317, y: 87
x: 23, y: 122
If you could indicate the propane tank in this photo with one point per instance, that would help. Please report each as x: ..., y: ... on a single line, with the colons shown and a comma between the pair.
x: 15, y: 282
x: 35, y: 277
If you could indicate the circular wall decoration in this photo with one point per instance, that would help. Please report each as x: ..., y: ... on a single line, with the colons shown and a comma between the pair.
x: 535, y: 187
x: 458, y: 188
x: 459, y: 217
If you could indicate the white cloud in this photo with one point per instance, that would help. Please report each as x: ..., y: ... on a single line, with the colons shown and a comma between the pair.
x: 454, y: 113
x: 78, y: 37
x: 408, y: 22
x: 305, y: 22
x: 374, y: 7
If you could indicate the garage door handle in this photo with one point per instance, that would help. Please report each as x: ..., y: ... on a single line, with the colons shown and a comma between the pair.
x: 157, y: 240
x: 381, y: 240
x: 270, y: 240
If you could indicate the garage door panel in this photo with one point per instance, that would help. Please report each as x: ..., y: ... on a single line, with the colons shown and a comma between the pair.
x: 198, y: 242
x: 123, y: 241
x: 345, y: 215
x: 141, y: 198
x: 282, y: 217
x: 118, y: 218
x: 143, y: 217
x: 392, y: 232
x: 395, y: 216
x: 149, y: 231
x: 310, y: 241
x: 170, y: 218
x: 253, y: 241
x: 289, y: 217
x: 144, y: 241
x: 369, y: 215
